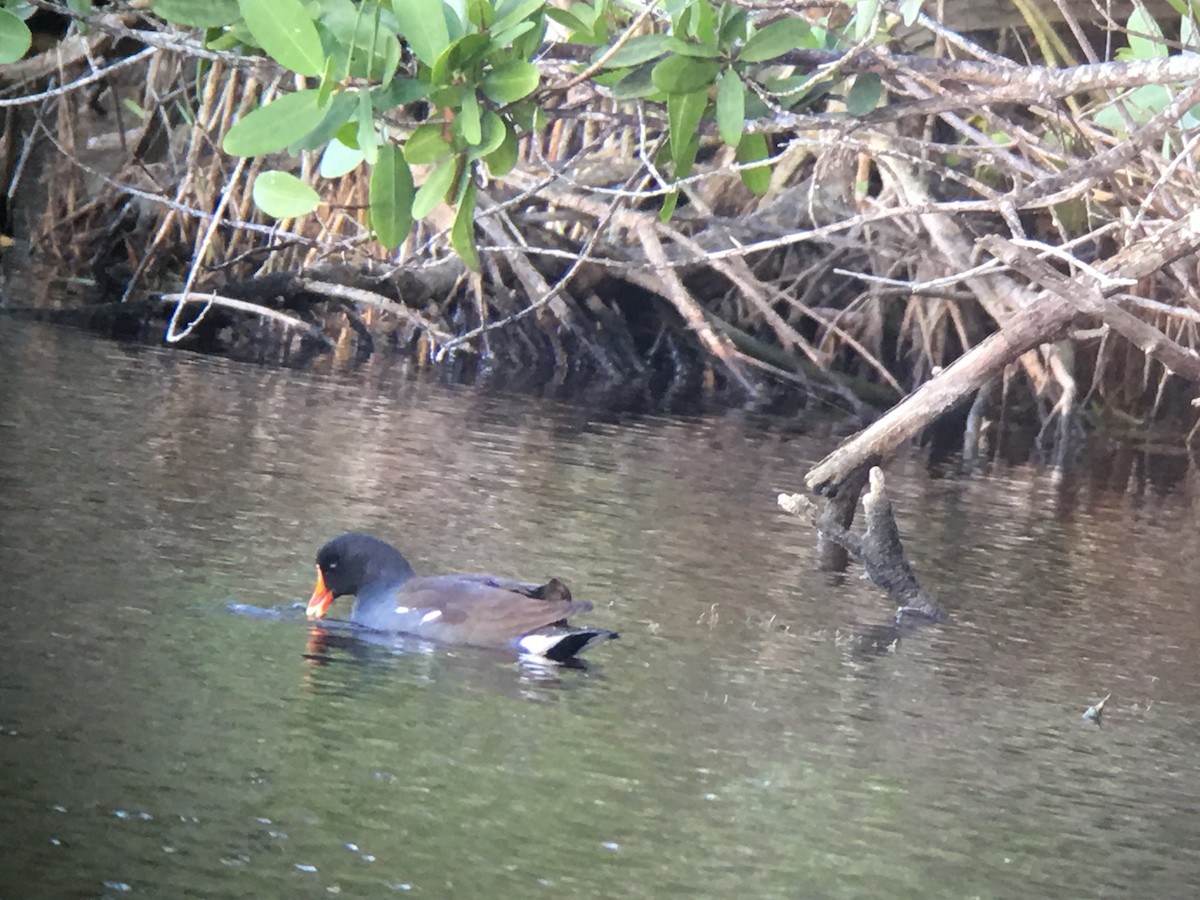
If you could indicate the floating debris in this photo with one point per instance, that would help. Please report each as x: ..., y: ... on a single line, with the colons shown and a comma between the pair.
x: 305, y: 867
x: 1094, y: 713
x: 126, y: 814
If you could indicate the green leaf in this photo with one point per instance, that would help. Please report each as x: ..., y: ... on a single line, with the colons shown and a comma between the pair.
x: 423, y: 25
x: 481, y: 13
x: 510, y: 13
x: 864, y: 94
x: 426, y: 145
x: 493, y: 133
x: 683, y: 168
x: 341, y: 107
x: 430, y: 194
x: 1145, y: 37
x: 775, y: 40
x: 364, y: 45
x: 640, y: 49
x: 684, y: 112
x: 455, y: 26
x: 328, y: 82
x: 684, y: 75
x: 510, y: 83
x: 704, y: 22
x: 458, y: 57
x: 281, y: 122
x: 391, y: 197
x: 1141, y: 104
x: 462, y: 233
x: 284, y: 29
x: 568, y: 20
x: 753, y: 148
x: 282, y: 195
x: 506, y: 38
x: 731, y: 25
x: 198, y: 13
x: 15, y: 37
x: 348, y: 134
x: 1189, y: 34
x: 338, y: 159
x: 468, y: 119
x: 731, y: 107
x: 134, y: 107
x: 691, y: 48
x: 636, y: 84
x: 367, y: 136
x: 399, y: 92
x: 909, y: 10
x: 865, y: 15
x: 501, y: 160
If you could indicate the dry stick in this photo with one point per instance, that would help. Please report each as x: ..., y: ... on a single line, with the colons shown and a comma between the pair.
x: 97, y: 75
x: 1046, y: 319
x: 1086, y: 291
x: 66, y: 52
x: 550, y: 294
x: 185, y: 184
x: 192, y: 211
x: 535, y: 285
x: 611, y: 51
x: 244, y: 306
x: 994, y: 294
x: 370, y: 298
x: 172, y: 337
x: 1082, y: 176
x: 740, y: 275
x: 692, y: 314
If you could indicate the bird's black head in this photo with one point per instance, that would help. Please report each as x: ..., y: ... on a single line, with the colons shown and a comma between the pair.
x: 351, y: 562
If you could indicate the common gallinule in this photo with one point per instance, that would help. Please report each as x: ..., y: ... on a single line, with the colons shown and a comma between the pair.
x: 481, y: 610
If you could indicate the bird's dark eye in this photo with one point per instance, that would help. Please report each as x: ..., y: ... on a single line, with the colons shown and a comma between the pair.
x: 331, y: 566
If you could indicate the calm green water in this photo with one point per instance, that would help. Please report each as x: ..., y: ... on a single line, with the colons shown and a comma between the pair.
x: 733, y: 743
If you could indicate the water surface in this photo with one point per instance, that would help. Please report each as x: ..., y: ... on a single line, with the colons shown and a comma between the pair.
x: 734, y: 742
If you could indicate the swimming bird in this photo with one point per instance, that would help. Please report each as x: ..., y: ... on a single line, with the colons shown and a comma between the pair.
x: 480, y: 610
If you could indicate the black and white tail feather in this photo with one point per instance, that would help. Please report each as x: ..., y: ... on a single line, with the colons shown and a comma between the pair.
x: 562, y: 644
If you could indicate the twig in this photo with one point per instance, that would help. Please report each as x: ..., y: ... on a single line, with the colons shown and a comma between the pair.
x: 247, y: 307
x: 370, y: 298
x: 97, y: 75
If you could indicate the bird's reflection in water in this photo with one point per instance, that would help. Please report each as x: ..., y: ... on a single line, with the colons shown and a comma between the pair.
x: 346, y: 659
x: 374, y: 656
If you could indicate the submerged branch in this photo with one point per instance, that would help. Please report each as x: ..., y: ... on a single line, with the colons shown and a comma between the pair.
x: 879, y: 548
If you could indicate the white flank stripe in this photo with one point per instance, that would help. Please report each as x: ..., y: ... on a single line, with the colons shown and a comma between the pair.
x: 538, y: 644
x: 401, y: 610
x: 432, y: 616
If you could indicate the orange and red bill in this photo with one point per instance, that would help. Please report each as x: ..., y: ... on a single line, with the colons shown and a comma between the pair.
x: 322, y: 596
